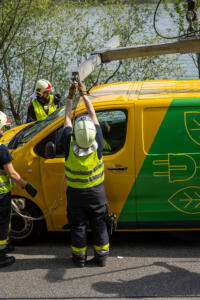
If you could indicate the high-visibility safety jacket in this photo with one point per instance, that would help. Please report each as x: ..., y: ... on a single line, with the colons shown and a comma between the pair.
x: 39, y: 110
x: 83, y: 171
x: 106, y: 145
x: 6, y: 184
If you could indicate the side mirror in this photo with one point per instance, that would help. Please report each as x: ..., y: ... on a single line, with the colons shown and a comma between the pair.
x: 50, y: 150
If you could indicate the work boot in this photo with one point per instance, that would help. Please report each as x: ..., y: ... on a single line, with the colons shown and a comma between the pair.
x: 100, y: 260
x: 6, y: 261
x: 79, y: 260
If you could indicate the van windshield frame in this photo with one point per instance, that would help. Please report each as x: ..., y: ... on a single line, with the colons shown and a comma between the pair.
x: 27, y: 133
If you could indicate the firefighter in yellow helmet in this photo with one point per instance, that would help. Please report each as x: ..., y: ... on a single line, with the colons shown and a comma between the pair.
x: 45, y: 103
x: 8, y: 178
x: 84, y: 172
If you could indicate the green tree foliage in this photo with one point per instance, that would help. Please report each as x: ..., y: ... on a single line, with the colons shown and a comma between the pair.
x: 46, y: 38
x: 29, y: 43
x: 177, y: 10
x: 132, y: 21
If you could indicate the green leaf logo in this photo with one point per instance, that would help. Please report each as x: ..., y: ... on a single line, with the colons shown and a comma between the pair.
x: 186, y: 200
x: 192, y: 125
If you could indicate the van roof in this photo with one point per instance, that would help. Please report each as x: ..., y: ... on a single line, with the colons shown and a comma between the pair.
x: 140, y: 90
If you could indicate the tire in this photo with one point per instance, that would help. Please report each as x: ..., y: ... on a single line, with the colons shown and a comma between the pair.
x: 24, y: 231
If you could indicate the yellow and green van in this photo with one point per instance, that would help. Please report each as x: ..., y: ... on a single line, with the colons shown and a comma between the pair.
x: 151, y: 155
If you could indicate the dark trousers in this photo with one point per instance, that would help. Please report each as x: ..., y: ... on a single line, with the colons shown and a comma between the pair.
x: 5, y: 212
x: 87, y: 207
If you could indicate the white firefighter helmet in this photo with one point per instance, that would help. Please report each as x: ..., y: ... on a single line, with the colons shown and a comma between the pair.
x: 85, y: 133
x: 42, y: 86
x: 3, y: 120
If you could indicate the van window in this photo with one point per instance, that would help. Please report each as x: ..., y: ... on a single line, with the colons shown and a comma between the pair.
x: 113, y: 124
x: 54, y: 137
x: 29, y: 132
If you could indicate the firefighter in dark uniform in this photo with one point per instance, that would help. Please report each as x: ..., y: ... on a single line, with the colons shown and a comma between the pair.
x: 8, y: 178
x: 84, y: 172
x: 44, y: 104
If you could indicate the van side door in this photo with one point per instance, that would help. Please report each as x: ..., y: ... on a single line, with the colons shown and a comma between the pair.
x: 117, y: 124
x: 53, y: 178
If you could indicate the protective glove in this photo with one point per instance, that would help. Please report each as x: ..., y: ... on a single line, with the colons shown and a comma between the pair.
x: 31, y: 190
x: 72, y: 91
x: 82, y: 88
x: 57, y: 96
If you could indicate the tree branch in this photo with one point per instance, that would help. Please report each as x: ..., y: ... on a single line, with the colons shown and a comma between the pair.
x: 15, y: 32
x: 40, y: 62
x: 11, y: 26
x: 27, y: 50
x: 53, y: 61
x: 22, y: 88
x: 10, y: 98
x: 1, y: 100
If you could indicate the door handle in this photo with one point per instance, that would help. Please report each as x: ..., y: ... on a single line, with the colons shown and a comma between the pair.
x: 118, y: 168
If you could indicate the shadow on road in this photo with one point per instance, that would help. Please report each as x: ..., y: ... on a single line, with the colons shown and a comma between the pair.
x: 174, y: 282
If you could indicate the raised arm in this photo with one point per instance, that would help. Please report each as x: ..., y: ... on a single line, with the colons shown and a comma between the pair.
x: 68, y: 107
x: 88, y: 104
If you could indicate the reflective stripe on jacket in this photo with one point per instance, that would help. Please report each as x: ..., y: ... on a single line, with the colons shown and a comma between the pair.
x: 6, y: 184
x: 3, y: 244
x: 39, y: 110
x: 83, y: 171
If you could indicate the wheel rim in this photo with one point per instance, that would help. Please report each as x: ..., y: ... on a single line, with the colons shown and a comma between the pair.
x: 21, y: 228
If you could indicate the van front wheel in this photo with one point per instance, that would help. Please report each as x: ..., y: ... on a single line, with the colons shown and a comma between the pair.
x: 26, y: 231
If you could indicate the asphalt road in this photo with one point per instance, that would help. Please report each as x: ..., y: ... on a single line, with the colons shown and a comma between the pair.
x: 140, y: 266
